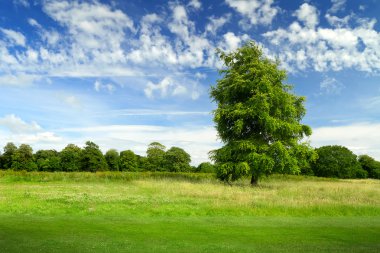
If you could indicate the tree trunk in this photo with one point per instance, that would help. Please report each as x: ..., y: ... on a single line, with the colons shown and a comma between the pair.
x: 254, y: 180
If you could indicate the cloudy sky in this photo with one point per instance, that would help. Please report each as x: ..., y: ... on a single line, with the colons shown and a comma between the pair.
x: 127, y: 73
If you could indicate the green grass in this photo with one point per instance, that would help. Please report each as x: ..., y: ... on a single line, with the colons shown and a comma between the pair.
x: 161, y: 212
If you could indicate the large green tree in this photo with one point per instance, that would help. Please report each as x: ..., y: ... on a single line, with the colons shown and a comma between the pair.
x: 370, y: 165
x: 177, y: 160
x: 155, y: 155
x: 257, y: 118
x: 337, y: 161
x: 23, y: 159
x: 9, y: 149
x: 92, y: 158
x: 48, y: 160
x: 113, y: 159
x: 71, y: 158
x: 128, y: 161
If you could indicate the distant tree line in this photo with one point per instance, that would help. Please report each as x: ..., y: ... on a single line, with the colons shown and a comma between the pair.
x: 340, y: 162
x: 90, y: 158
x: 332, y: 161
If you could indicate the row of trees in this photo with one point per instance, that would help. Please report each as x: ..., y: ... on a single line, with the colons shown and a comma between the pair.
x: 340, y: 162
x: 90, y: 158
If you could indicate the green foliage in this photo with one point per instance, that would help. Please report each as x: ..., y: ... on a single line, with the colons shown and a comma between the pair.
x: 71, y: 158
x: 128, y: 161
x: 376, y: 173
x: 258, y: 118
x: 155, y: 154
x: 113, y: 159
x: 206, y: 167
x: 177, y: 160
x: 9, y: 150
x: 142, y: 163
x: 23, y: 159
x: 336, y: 161
x: 48, y: 160
x: 360, y: 173
x: 92, y: 158
x: 370, y: 165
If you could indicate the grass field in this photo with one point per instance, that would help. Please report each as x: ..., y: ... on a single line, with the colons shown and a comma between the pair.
x: 158, y: 212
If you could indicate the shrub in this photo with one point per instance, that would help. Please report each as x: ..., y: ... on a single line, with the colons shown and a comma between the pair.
x: 370, y: 165
x: 360, y: 173
x: 206, y: 167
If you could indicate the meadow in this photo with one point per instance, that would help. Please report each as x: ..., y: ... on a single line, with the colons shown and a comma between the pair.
x: 184, y: 212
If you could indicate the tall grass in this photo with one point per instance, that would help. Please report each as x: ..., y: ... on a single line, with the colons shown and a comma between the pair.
x: 24, y: 176
x: 183, y: 194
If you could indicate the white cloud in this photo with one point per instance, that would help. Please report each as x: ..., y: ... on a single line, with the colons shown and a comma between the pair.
x: 18, y: 79
x: 98, y: 86
x: 96, y: 40
x: 173, y: 86
x: 231, y: 42
x: 372, y: 103
x: 196, y: 4
x: 24, y: 3
x: 72, y: 101
x: 199, y: 75
x: 216, y: 23
x: 338, y: 22
x: 323, y: 49
x: 254, y: 12
x: 152, y: 47
x: 16, y: 38
x: 337, y: 5
x: 192, y: 48
x: 42, y: 140
x: 361, y: 138
x: 16, y: 125
x: 149, y: 112
x: 97, y: 30
x: 307, y: 14
x: 166, y: 87
x: 331, y: 86
x: 38, y: 139
x: 34, y: 23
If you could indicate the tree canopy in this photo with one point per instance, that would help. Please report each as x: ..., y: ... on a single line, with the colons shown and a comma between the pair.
x: 71, y: 158
x: 257, y: 118
x: 92, y: 158
x: 9, y: 149
x: 128, y: 161
x: 337, y: 161
x: 370, y: 165
x: 155, y: 155
x: 23, y: 159
x: 177, y: 160
x: 113, y: 159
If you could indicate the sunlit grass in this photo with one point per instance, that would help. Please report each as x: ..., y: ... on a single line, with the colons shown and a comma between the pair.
x: 165, y: 212
x: 150, y: 196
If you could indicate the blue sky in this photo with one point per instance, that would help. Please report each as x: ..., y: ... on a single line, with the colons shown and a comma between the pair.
x: 127, y: 73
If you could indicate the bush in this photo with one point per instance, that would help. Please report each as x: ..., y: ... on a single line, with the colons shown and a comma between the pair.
x: 336, y: 161
x: 206, y: 167
x: 376, y: 174
x: 370, y: 165
x: 360, y: 173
